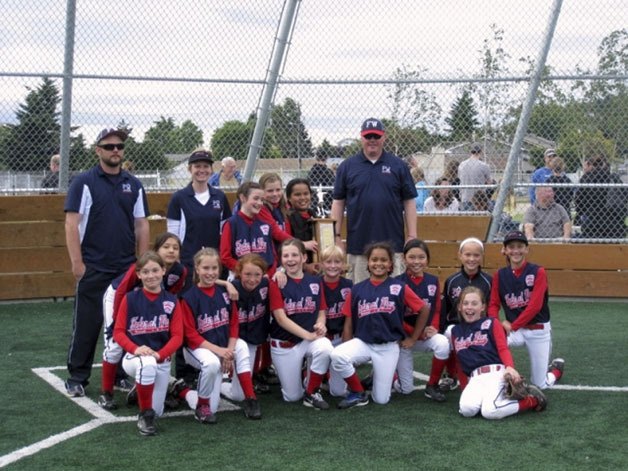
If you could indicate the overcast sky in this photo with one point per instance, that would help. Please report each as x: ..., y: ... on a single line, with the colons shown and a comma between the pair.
x: 229, y: 40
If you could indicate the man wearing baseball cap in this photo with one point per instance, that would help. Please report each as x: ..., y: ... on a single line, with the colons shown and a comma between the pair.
x: 377, y: 190
x: 541, y: 174
x: 105, y: 226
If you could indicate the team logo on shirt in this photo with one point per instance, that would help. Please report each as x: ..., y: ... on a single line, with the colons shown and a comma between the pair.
x: 431, y: 290
x: 216, y: 204
x: 126, y: 188
x: 486, y: 324
x: 263, y: 293
x: 265, y: 228
x: 395, y: 289
x: 172, y: 279
x: 455, y: 293
x: 344, y: 292
x: 225, y: 296
x: 385, y: 169
x: 529, y: 280
x: 168, y: 307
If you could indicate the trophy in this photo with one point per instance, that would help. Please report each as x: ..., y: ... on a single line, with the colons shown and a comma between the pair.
x: 323, y: 229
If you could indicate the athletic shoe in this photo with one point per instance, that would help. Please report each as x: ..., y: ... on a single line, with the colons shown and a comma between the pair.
x: 251, y: 409
x: 146, y: 422
x: 204, y: 414
x: 106, y: 401
x: 354, y: 399
x: 434, y: 393
x: 557, y: 364
x: 123, y: 384
x: 178, y: 387
x: 315, y: 400
x: 131, y: 397
x: 447, y: 383
x: 261, y: 388
x: 74, y: 389
x: 367, y: 383
x: 267, y: 376
x: 540, y: 397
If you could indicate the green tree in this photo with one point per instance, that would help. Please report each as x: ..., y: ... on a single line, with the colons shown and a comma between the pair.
x: 81, y: 157
x: 463, y: 121
x: 326, y: 149
x: 35, y: 137
x: 232, y: 138
x: 289, y: 132
x: 188, y: 137
x: 405, y: 141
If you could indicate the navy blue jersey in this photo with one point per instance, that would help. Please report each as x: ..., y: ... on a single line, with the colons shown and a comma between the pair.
x: 148, y: 322
x: 251, y: 238
x: 515, y: 292
x: 475, y: 344
x: 427, y: 290
x: 451, y: 293
x: 278, y: 216
x: 301, y: 302
x: 253, y: 312
x: 377, y: 311
x: 335, y: 299
x: 175, y: 277
x: 211, y: 314
x: 108, y: 205
x: 200, y: 223
x: 374, y: 194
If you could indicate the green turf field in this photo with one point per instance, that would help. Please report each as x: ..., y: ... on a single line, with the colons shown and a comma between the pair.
x: 584, y: 426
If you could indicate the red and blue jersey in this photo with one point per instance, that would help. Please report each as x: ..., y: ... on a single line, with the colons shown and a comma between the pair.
x: 253, y: 312
x: 427, y: 288
x: 377, y: 310
x: 480, y: 343
x: 335, y: 296
x: 451, y: 293
x: 301, y: 299
x: 244, y: 236
x: 209, y: 315
x: 149, y: 319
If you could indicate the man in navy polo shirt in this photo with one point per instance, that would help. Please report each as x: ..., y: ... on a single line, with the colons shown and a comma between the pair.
x: 378, y: 192
x: 105, y: 220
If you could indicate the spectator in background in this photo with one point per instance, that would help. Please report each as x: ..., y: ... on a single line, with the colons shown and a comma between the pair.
x: 541, y: 174
x: 410, y: 162
x: 473, y: 172
x: 128, y: 165
x: 545, y: 219
x: 451, y: 173
x: 562, y: 195
x: 481, y: 202
x: 442, y: 200
x: 321, y: 175
x: 229, y: 176
x: 419, y: 183
x: 52, y: 179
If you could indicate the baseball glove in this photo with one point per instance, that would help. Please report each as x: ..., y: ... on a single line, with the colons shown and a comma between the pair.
x: 515, y: 389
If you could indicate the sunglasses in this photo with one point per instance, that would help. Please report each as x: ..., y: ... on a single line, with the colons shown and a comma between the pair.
x: 368, y: 137
x: 110, y: 147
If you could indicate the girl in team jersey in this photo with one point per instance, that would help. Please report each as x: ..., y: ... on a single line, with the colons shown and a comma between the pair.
x: 253, y: 312
x: 212, y: 345
x: 484, y: 357
x: 300, y: 218
x: 247, y: 232
x: 275, y: 200
x: 149, y: 328
x: 470, y: 254
x: 425, y: 286
x: 521, y: 290
x: 168, y: 247
x: 298, y: 329
x: 374, y: 327
x: 336, y: 288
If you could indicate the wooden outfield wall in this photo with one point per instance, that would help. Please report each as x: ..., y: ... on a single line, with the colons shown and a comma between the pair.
x: 34, y: 262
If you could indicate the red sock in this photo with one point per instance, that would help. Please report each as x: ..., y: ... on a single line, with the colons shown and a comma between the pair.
x: 184, y: 393
x: 556, y: 372
x: 202, y: 401
x: 437, y: 370
x: 145, y: 395
x: 354, y: 384
x: 108, y: 376
x: 451, y: 365
x: 265, y: 360
x: 247, y: 384
x: 529, y: 402
x: 314, y: 382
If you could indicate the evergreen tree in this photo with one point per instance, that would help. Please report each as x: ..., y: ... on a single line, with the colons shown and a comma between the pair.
x: 289, y: 131
x: 463, y: 121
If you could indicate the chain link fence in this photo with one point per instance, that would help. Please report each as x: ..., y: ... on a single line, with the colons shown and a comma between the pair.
x: 443, y: 76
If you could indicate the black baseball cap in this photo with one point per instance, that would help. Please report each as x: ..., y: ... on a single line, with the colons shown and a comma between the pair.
x: 515, y: 235
x: 201, y: 156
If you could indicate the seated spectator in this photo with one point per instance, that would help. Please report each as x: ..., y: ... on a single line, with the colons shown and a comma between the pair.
x: 442, y: 200
x: 562, y: 195
x: 419, y: 182
x: 451, y: 173
x: 229, y: 177
x: 481, y: 202
x: 545, y: 219
x: 51, y: 180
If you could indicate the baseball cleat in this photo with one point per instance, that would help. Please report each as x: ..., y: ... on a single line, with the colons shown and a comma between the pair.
x: 123, y: 384
x: 251, y: 409
x: 146, y: 422
x: 557, y: 364
x: 315, y: 400
x: 354, y: 399
x: 105, y: 400
x: 204, y: 414
x: 74, y: 389
x: 447, y: 383
x: 535, y: 392
x: 434, y: 393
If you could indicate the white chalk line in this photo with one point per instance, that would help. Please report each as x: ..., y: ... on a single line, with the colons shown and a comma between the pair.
x: 101, y: 417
